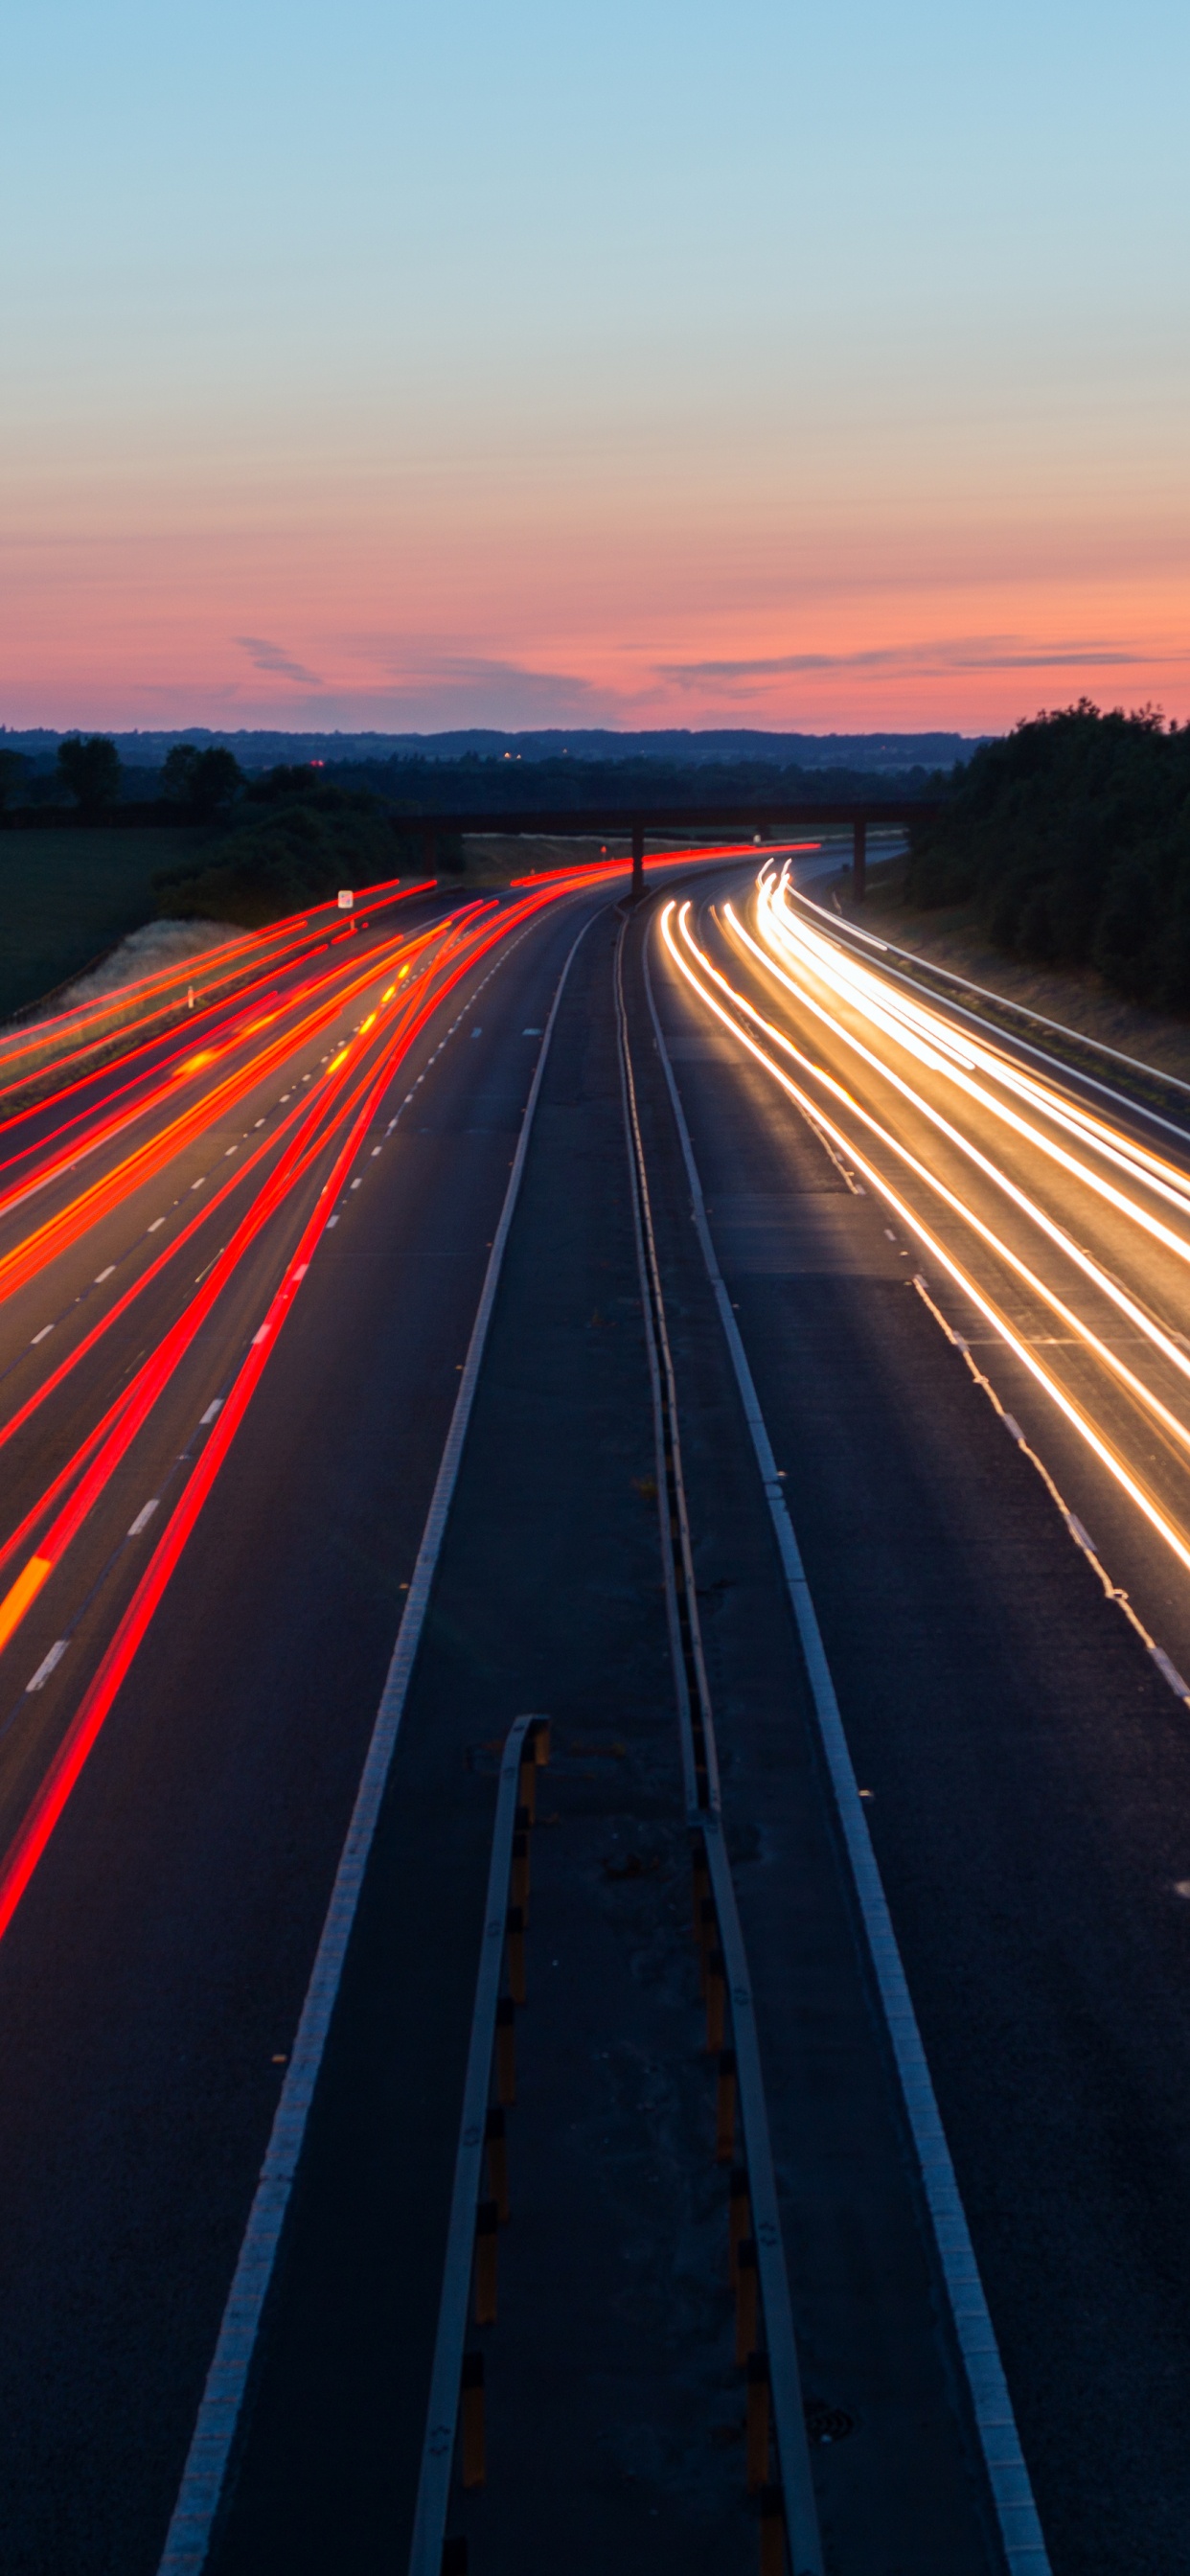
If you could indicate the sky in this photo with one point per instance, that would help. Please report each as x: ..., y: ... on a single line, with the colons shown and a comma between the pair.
x: 421, y: 366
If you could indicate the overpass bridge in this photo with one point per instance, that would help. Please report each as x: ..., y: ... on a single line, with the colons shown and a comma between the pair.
x: 637, y: 821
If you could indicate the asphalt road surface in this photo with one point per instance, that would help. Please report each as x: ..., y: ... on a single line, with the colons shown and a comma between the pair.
x: 241, y: 1269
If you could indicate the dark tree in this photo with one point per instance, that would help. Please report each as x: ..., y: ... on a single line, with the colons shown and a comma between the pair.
x: 1070, y: 840
x: 177, y: 771
x: 12, y: 770
x: 91, y: 771
x: 287, y: 783
x: 203, y: 780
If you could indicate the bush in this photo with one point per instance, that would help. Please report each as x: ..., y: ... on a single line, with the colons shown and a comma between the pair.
x: 297, y: 854
x: 1071, y: 839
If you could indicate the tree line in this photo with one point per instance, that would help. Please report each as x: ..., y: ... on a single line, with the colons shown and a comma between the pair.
x: 203, y: 782
x: 1070, y: 838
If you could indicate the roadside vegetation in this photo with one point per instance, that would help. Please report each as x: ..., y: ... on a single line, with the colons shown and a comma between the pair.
x: 1069, y: 843
x: 83, y: 862
x: 68, y: 896
x: 291, y: 841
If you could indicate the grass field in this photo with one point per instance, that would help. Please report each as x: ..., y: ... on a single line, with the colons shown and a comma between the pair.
x: 65, y: 896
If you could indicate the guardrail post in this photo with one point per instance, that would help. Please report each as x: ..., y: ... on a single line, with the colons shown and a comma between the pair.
x: 708, y: 1939
x: 487, y: 2224
x: 772, y: 2532
x: 859, y: 861
x: 496, y: 2142
x: 716, y: 1998
x: 471, y: 2407
x: 758, y: 2421
x: 519, y: 1881
x: 506, y: 2051
x: 725, y: 2108
x: 516, y: 1954
x: 702, y: 1880
x: 739, y: 2213
x: 745, y: 2299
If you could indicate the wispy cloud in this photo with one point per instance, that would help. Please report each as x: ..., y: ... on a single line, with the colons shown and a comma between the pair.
x: 934, y: 659
x: 273, y: 657
x: 497, y: 692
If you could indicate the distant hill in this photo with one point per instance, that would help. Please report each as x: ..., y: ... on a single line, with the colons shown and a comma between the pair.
x: 884, y: 754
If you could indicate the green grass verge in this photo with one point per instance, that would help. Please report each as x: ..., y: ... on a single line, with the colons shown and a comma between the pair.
x: 67, y: 896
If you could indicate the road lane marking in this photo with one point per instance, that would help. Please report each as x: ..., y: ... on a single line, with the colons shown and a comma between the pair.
x: 40, y: 1337
x: 1165, y: 1666
x: 211, y: 1411
x: 201, y: 2489
x: 936, y: 1250
x: 101, y: 1275
x: 143, y: 1517
x: 1020, y: 2529
x: 49, y: 1664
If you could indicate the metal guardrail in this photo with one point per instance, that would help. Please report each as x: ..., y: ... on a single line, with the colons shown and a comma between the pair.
x: 470, y: 2272
x: 766, y: 2348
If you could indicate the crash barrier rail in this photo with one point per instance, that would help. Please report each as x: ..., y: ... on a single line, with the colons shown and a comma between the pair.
x: 766, y: 2349
x: 480, y: 2201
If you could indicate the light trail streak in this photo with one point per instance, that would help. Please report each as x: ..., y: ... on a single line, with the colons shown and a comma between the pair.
x: 697, y: 966
x: 362, y: 1088
x: 210, y: 965
x: 949, y: 1053
x: 58, y: 1232
x: 1063, y: 1242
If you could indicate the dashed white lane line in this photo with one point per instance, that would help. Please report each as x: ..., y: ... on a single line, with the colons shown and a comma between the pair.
x: 355, y: 1184
x: 40, y: 1337
x: 188, y: 2538
x: 331, y: 1220
x: 208, y: 1417
x: 158, y: 1220
x: 143, y: 1517
x: 101, y: 1275
x: 48, y: 1664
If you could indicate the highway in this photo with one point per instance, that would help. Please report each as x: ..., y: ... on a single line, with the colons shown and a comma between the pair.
x: 960, y: 1277
x: 247, y: 1221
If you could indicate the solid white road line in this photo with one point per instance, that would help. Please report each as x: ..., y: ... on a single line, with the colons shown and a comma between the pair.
x: 194, y: 2513
x: 1020, y: 2529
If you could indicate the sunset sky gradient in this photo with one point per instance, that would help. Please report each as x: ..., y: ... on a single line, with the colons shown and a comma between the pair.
x: 420, y: 367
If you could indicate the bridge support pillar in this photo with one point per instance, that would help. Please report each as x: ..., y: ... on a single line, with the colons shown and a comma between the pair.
x: 859, y: 862
x: 638, y: 861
